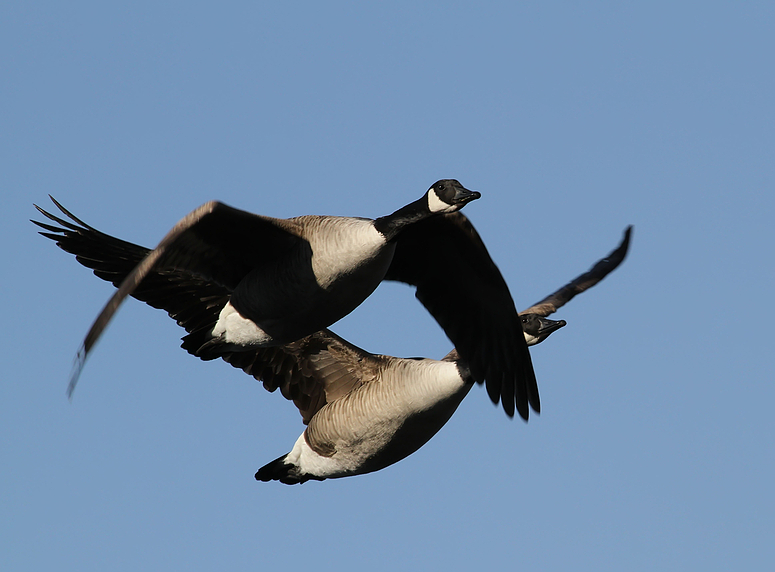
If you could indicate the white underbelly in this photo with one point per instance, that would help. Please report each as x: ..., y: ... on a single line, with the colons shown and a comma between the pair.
x: 235, y: 329
x: 370, y: 430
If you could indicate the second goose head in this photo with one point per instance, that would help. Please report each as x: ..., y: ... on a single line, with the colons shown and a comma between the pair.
x: 537, y: 328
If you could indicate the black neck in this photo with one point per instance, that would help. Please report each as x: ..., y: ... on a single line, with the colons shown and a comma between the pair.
x: 391, y: 225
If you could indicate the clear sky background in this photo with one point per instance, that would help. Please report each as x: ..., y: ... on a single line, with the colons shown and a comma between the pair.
x: 654, y: 450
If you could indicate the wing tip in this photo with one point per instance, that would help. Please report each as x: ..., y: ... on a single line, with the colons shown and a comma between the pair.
x: 625, y: 244
x: 78, y: 363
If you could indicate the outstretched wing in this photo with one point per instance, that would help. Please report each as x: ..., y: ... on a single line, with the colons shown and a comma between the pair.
x: 190, y: 300
x: 600, y: 270
x: 215, y: 243
x: 460, y: 285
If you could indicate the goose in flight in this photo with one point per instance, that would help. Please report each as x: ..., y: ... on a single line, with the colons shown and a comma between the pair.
x: 282, y: 279
x: 362, y: 411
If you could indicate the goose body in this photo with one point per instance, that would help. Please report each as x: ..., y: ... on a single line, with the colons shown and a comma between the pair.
x: 347, y: 259
x: 362, y: 411
x: 274, y: 281
x: 404, y: 403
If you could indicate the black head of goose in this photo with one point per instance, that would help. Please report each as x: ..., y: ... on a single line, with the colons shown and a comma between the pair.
x: 286, y: 278
x: 363, y: 411
x: 537, y: 328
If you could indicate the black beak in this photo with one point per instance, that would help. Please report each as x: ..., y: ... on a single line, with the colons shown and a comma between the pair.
x: 547, y: 327
x: 463, y: 196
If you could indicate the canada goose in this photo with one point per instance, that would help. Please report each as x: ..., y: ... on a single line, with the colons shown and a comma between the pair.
x: 363, y: 411
x: 273, y: 291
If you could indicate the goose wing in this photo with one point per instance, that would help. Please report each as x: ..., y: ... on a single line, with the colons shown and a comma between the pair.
x: 214, y: 244
x: 310, y: 372
x: 600, y: 270
x: 460, y: 285
x: 190, y: 300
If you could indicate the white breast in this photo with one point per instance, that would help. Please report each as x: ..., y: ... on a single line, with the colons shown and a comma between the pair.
x: 342, y: 246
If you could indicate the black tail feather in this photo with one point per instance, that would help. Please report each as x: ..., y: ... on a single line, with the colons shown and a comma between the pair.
x: 279, y: 470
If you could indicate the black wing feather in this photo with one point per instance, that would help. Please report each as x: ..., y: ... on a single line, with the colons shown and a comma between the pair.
x: 600, y: 270
x: 460, y: 285
x: 188, y: 299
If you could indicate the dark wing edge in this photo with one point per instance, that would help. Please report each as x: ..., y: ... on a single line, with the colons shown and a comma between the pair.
x: 131, y: 268
x: 128, y: 286
x: 600, y: 270
x: 467, y: 295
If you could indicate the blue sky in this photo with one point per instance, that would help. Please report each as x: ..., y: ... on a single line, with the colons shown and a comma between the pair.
x: 654, y: 449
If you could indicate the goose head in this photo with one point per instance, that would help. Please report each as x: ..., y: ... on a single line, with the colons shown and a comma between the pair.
x: 537, y: 328
x: 448, y: 195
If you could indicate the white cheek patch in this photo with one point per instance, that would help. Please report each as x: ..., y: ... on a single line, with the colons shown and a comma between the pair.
x: 531, y: 339
x: 436, y: 205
